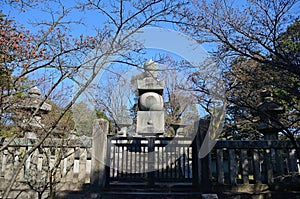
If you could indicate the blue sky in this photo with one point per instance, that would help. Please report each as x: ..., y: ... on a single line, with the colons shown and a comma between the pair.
x: 90, y: 21
x: 174, y: 43
x: 33, y: 15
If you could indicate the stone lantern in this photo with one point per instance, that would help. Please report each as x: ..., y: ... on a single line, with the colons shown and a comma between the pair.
x: 32, y: 123
x: 150, y: 115
x: 123, y: 131
x: 179, y: 129
x: 269, y: 112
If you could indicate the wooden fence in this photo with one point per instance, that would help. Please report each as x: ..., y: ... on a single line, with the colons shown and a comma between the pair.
x: 150, y: 159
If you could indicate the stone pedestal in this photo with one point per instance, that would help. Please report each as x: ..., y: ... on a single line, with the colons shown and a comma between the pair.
x: 150, y: 122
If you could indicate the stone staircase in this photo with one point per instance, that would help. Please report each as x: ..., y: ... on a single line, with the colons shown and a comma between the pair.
x: 143, y: 191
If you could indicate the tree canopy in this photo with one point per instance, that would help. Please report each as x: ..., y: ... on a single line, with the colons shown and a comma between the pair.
x: 252, y: 29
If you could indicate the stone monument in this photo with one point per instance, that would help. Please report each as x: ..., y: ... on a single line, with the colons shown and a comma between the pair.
x: 269, y: 112
x: 150, y: 115
x: 32, y: 109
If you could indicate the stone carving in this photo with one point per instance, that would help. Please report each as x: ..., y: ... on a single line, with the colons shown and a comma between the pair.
x: 150, y: 116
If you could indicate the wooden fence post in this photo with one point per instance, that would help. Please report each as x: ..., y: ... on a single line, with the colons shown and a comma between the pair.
x: 99, y: 153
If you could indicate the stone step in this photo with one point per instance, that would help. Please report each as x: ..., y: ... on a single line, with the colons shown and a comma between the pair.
x: 150, y: 195
x: 156, y: 186
x: 143, y: 191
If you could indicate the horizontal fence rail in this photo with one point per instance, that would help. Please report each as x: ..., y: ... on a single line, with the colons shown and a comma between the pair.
x: 66, y: 161
x: 252, y: 162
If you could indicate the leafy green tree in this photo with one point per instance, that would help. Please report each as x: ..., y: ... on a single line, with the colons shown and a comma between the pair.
x: 83, y: 117
x: 65, y: 126
x: 289, y: 44
x: 101, y: 114
x: 247, y: 78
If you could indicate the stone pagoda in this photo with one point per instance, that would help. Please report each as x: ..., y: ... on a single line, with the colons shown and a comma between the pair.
x: 33, y: 106
x: 150, y: 115
x: 269, y: 112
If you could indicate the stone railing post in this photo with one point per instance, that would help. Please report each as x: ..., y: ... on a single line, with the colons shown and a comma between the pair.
x: 99, y: 152
x: 201, y: 167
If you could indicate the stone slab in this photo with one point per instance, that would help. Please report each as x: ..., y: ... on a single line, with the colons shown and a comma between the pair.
x: 150, y: 122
